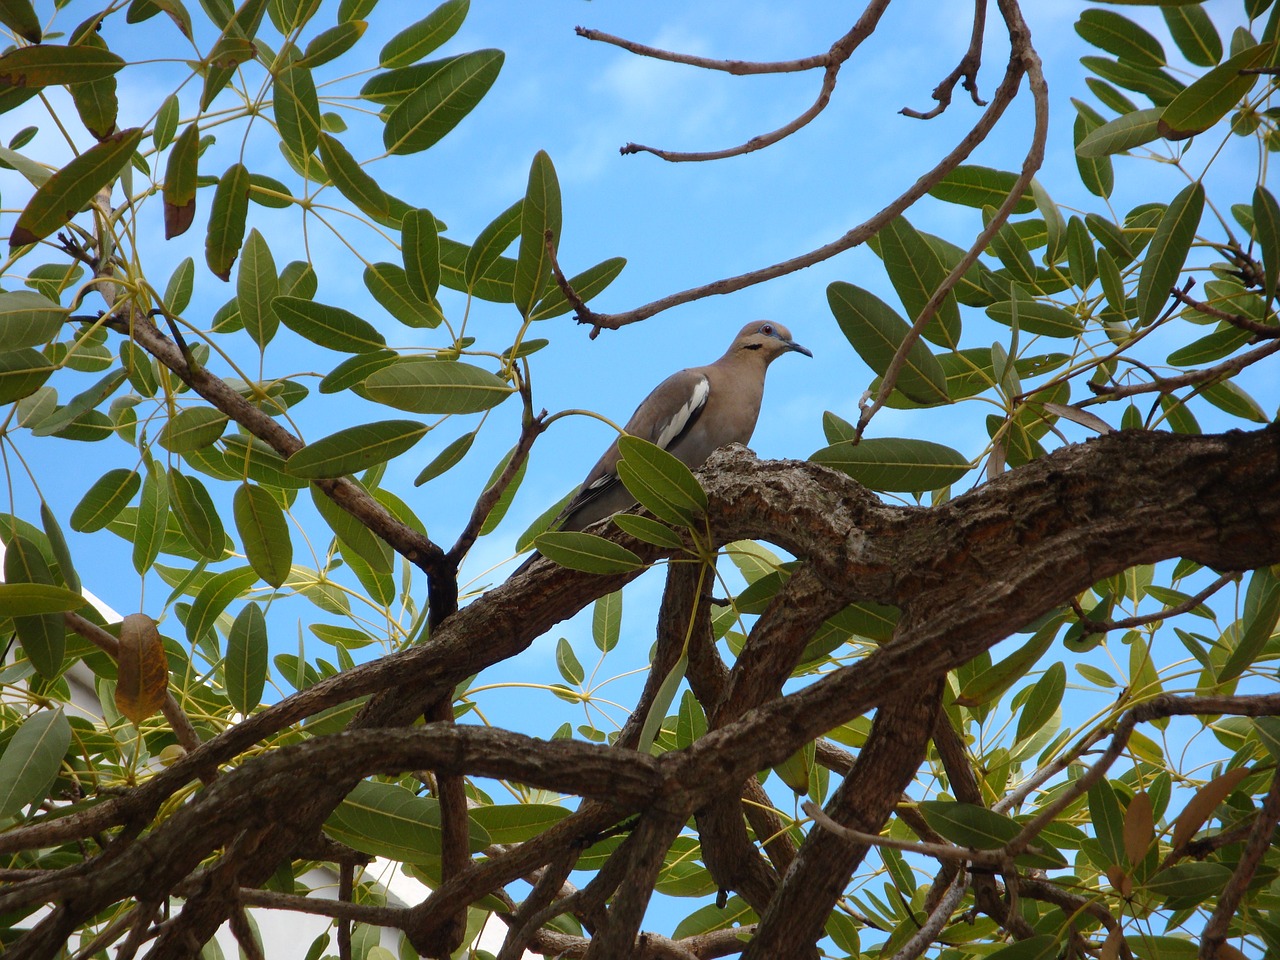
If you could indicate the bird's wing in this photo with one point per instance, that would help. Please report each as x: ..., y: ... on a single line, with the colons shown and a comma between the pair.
x: 671, y: 410
x: 666, y: 415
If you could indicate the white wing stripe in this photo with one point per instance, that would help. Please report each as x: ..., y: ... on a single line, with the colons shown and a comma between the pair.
x: 680, y: 419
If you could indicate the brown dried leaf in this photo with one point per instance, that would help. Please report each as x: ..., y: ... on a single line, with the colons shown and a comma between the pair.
x: 1206, y: 800
x: 1139, y: 828
x: 143, y: 670
x: 1111, y: 946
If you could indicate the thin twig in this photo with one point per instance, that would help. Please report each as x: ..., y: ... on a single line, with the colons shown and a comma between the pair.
x: 1259, y: 842
x: 1023, y: 59
x: 1103, y: 626
x: 1221, y: 371
x: 736, y: 67
x: 1000, y: 101
x: 831, y: 61
x: 990, y: 859
x: 967, y: 68
x: 1263, y: 330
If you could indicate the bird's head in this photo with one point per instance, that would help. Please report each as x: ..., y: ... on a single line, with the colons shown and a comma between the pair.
x: 766, y: 340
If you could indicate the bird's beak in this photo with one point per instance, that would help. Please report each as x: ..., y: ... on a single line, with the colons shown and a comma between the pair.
x: 792, y: 345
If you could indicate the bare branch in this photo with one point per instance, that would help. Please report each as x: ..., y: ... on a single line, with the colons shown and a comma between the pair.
x: 831, y: 61
x: 1212, y: 374
x: 966, y: 68
x: 1259, y: 842
x: 1240, y: 321
x: 1000, y: 101
x: 1022, y: 59
x: 1103, y: 626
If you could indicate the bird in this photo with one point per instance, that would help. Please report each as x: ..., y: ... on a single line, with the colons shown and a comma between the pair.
x: 690, y: 414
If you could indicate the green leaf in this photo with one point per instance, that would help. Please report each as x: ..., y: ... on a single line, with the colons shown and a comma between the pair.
x: 386, y: 820
x: 197, y: 517
x: 1121, y: 36
x: 213, y: 598
x: 1168, y: 251
x: 875, y: 330
x: 252, y: 457
x: 1266, y: 227
x: 227, y: 220
x: 420, y: 251
x: 257, y: 286
x: 516, y: 822
x: 1268, y: 731
x: 21, y: 18
x: 648, y: 530
x: 1227, y: 396
x: 264, y: 532
x: 105, y: 499
x: 586, y: 285
x: 328, y: 326
x: 1194, y: 33
x: 245, y: 666
x: 539, y: 217
x: 1154, y: 83
x: 1208, y: 99
x: 606, y: 620
x: 1096, y: 173
x: 177, y: 293
x: 421, y: 385
x: 417, y: 40
x: 568, y: 665
x: 1123, y: 133
x: 390, y: 287
x: 423, y: 117
x: 46, y: 65
x: 976, y: 186
x: 28, y: 319
x: 1261, y: 611
x: 152, y: 518
x: 354, y: 370
x: 1042, y: 947
x: 31, y: 760
x: 446, y: 459
x: 32, y: 599
x: 21, y: 373
x: 969, y: 825
x: 1192, y: 880
x: 916, y: 272
x: 503, y: 503
x: 332, y: 43
x: 1108, y: 821
x: 353, y: 535
x: 587, y: 552
x: 65, y: 193
x: 354, y: 184
x: 297, y: 110
x: 180, y: 178
x: 43, y: 636
x: 58, y: 545
x: 1037, y: 316
x: 893, y: 464
x: 660, y: 482
x: 355, y: 448
x: 996, y: 679
x: 493, y: 239
x: 1043, y: 701
x: 192, y: 428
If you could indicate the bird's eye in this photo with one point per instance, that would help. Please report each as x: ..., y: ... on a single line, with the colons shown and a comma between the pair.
x: 767, y: 329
